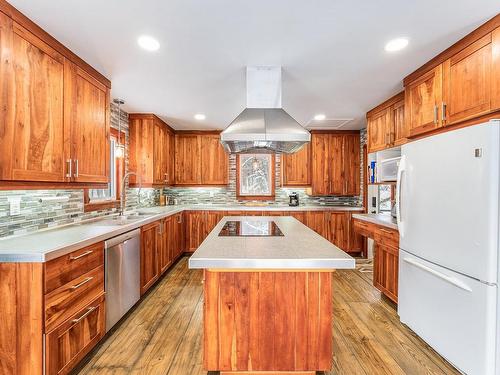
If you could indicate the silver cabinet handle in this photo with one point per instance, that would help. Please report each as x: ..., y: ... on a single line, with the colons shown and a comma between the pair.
x: 436, y: 114
x: 179, y: 219
x: 81, y: 255
x: 89, y: 310
x: 79, y: 285
x: 76, y: 167
x: 443, y: 111
x: 70, y: 168
x: 166, y: 178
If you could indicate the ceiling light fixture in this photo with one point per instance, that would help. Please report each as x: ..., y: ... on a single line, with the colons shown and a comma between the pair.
x: 320, y: 117
x: 148, y: 43
x: 200, y: 116
x: 396, y: 44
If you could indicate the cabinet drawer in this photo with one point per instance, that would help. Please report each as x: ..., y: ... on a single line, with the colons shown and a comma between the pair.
x: 387, y: 237
x: 64, y: 269
x: 66, y: 345
x: 363, y: 228
x: 68, y: 299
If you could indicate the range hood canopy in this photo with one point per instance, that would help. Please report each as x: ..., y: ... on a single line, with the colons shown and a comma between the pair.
x: 264, y: 127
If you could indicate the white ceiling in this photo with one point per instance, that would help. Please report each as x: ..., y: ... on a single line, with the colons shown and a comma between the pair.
x: 332, y: 51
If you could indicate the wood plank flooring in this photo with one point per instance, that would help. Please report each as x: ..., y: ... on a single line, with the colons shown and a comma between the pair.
x: 163, y: 334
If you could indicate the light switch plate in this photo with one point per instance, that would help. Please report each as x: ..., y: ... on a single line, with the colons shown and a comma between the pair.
x: 14, y: 206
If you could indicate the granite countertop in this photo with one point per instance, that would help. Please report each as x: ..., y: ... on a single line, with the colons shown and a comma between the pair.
x: 299, y: 248
x: 385, y: 220
x: 45, y: 245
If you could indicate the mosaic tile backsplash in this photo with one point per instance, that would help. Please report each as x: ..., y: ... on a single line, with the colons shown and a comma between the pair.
x: 43, y: 209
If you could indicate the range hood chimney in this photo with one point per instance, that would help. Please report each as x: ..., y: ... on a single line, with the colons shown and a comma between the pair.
x: 263, y: 126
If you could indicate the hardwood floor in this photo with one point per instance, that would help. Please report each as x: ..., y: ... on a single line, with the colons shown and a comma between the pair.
x: 163, y: 335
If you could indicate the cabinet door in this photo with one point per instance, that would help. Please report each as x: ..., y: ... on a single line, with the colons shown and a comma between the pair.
x: 400, y: 129
x: 150, y: 247
x: 165, y: 257
x: 320, y: 177
x: 179, y: 235
x: 195, y: 229
x: 296, y: 167
x: 187, y: 159
x: 87, y: 115
x: 379, y: 130
x: 66, y: 345
x: 338, y: 229
x: 159, y: 156
x: 351, y: 169
x: 212, y: 218
x: 32, y: 131
x: 316, y: 221
x: 336, y: 185
x: 170, y: 155
x: 214, y: 161
x: 141, y: 150
x: 467, y: 82
x: 495, y: 65
x: 423, y: 99
x: 385, y: 270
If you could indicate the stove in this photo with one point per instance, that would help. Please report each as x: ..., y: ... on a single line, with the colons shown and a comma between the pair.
x: 250, y: 228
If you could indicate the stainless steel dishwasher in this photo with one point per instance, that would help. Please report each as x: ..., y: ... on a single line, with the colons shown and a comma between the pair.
x: 122, y: 283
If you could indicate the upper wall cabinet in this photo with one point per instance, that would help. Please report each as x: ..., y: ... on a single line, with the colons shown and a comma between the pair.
x: 296, y: 167
x: 386, y: 124
x: 458, y: 85
x: 200, y: 159
x: 54, y: 117
x: 335, y: 161
x: 151, y: 143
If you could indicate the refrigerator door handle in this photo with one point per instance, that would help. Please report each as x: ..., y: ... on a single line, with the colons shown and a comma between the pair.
x: 438, y: 274
x: 401, y: 169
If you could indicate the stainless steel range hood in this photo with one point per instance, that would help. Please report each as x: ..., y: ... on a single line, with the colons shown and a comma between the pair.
x: 264, y: 127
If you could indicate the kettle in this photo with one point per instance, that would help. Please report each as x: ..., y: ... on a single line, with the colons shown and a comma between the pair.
x: 294, y: 199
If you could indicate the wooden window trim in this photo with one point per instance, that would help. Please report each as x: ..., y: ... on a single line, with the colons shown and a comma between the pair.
x: 257, y: 197
x: 89, y: 206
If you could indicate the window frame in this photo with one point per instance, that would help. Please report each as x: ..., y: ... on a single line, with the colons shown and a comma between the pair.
x: 95, y: 205
x: 272, y: 176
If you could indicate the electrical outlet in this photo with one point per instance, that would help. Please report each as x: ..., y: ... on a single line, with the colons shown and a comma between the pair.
x: 14, y: 205
x: 212, y: 194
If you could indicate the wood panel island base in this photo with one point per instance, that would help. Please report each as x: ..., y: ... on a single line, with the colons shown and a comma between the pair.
x: 268, y: 299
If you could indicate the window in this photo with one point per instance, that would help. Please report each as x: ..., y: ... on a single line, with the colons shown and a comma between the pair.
x: 255, y: 176
x: 109, y: 193
x: 99, y: 199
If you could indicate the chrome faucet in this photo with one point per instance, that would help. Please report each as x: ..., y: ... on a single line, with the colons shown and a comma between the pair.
x: 123, y: 195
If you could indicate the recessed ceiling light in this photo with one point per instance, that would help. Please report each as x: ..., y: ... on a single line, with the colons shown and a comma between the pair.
x: 319, y: 117
x: 148, y: 43
x: 396, y: 44
x: 200, y: 116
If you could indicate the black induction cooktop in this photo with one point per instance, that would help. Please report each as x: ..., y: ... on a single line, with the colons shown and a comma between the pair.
x: 250, y: 228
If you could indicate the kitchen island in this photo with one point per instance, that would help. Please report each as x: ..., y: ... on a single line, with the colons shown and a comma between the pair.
x: 268, y: 296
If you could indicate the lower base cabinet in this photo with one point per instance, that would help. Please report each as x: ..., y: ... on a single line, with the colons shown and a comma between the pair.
x: 385, y: 270
x: 66, y: 345
x: 385, y: 256
x: 151, y: 241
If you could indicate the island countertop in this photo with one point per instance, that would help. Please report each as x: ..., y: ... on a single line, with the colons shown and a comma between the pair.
x: 300, y: 248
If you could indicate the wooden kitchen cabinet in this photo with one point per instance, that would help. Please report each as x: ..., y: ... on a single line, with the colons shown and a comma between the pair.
x: 214, y: 161
x: 386, y: 126
x: 335, y: 163
x: 212, y: 218
x: 316, y: 221
x: 385, y: 269
x: 167, y: 231
x: 299, y: 215
x: 151, y: 150
x: 150, y: 251
x: 385, y: 257
x: 195, y: 229
x: 56, y: 113
x: 296, y: 167
x: 71, y: 341
x: 200, y: 159
x: 179, y: 235
x: 337, y: 229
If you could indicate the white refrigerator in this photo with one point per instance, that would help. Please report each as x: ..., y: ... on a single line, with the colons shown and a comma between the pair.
x: 447, y: 199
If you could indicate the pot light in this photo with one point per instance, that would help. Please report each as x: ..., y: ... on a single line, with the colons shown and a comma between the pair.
x: 396, y: 44
x: 148, y: 43
x: 319, y: 117
x: 200, y: 116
